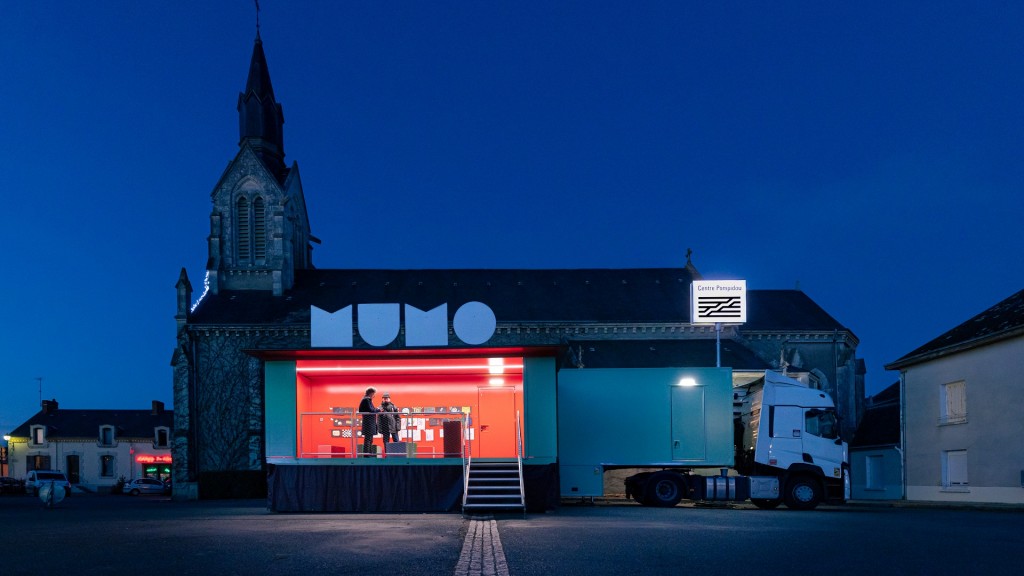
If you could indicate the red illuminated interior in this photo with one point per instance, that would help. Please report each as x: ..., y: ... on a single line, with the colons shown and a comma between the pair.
x: 485, y: 393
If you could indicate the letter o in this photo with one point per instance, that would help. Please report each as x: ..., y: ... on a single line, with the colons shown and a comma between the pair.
x: 474, y: 323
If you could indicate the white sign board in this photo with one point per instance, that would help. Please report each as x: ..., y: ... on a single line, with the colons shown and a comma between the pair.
x: 718, y: 301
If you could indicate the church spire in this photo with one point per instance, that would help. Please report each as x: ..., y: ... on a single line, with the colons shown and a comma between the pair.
x: 260, y: 117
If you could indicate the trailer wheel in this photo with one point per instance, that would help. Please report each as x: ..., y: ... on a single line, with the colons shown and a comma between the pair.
x: 664, y: 490
x: 802, y: 493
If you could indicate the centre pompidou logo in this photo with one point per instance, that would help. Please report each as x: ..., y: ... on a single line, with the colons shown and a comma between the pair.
x: 718, y: 301
x: 720, y: 307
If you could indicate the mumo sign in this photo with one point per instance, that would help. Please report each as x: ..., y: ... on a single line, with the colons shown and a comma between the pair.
x: 380, y: 324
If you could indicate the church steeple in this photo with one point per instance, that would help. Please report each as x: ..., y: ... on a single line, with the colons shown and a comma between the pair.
x: 259, y: 228
x: 260, y: 117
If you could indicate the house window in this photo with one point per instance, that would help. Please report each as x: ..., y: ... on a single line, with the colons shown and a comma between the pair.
x: 873, y: 468
x: 106, y: 435
x: 954, y: 470
x: 38, y: 462
x: 953, y: 403
x: 38, y: 435
x: 107, y: 466
x: 160, y: 437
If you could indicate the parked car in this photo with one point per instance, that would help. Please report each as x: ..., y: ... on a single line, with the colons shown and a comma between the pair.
x: 36, y: 479
x: 10, y: 485
x: 168, y: 486
x: 144, y: 486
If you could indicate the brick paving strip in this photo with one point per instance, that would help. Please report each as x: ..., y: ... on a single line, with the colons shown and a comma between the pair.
x: 481, y: 552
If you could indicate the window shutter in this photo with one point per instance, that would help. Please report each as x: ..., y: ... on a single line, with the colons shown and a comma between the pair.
x: 260, y: 229
x: 242, y: 217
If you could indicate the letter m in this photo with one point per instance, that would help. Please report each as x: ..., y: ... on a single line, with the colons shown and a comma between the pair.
x: 327, y: 330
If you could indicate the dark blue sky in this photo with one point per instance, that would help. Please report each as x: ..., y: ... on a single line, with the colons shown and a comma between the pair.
x: 869, y: 152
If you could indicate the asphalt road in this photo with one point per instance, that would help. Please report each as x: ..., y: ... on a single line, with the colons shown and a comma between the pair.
x: 94, y: 534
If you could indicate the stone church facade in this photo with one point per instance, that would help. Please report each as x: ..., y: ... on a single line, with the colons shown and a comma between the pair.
x: 260, y: 284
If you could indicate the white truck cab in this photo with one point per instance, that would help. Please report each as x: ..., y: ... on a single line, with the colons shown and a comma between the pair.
x: 791, y: 436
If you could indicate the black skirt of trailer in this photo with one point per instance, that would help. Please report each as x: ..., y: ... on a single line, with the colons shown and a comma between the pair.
x: 384, y: 488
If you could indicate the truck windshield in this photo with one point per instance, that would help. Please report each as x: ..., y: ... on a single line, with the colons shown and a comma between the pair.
x: 822, y: 423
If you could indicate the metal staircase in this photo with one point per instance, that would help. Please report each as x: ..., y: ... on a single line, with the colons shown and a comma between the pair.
x: 495, y: 484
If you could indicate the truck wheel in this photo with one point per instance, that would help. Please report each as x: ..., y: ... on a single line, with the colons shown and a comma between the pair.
x: 765, y: 504
x: 802, y: 493
x: 664, y: 490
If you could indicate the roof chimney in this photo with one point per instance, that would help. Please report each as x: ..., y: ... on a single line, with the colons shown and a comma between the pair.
x: 49, y: 406
x: 158, y: 408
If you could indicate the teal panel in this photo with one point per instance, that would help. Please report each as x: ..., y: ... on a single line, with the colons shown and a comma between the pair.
x: 281, y: 409
x: 540, y: 428
x: 581, y: 480
x: 623, y: 416
x: 689, y: 436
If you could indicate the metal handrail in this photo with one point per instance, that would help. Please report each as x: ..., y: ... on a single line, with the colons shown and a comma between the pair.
x: 354, y: 442
x: 467, y: 459
x: 519, y: 459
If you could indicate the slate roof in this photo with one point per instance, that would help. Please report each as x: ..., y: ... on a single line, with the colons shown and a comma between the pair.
x: 788, y: 311
x: 63, y: 423
x: 1004, y: 320
x: 880, y: 425
x: 628, y: 296
x: 659, y: 354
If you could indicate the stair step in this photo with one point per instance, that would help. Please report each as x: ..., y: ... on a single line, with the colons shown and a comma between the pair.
x: 494, y: 485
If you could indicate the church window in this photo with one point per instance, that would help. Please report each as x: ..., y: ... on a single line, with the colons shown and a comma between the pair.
x: 252, y: 230
x: 259, y: 229
x: 243, y: 229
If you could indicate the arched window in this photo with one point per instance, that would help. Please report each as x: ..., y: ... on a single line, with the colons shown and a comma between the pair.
x: 252, y: 230
x: 260, y: 229
x: 244, y: 237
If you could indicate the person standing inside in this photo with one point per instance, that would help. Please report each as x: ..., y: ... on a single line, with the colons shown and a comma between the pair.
x: 369, y: 414
x: 389, y: 420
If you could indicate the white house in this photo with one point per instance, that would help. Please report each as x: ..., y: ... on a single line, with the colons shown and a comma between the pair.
x: 963, y: 396
x: 95, y: 448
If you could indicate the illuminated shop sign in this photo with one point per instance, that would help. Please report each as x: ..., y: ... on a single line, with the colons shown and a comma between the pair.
x: 150, y: 459
x: 718, y: 301
x: 379, y: 325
